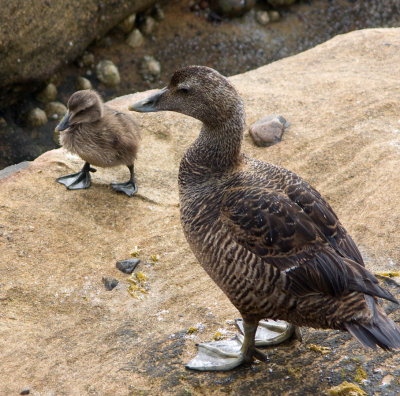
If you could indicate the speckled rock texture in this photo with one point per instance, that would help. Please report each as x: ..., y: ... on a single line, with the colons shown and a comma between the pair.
x: 38, y: 36
x: 63, y: 333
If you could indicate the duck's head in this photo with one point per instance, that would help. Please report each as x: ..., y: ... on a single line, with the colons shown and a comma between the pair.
x: 83, y: 106
x: 199, y: 92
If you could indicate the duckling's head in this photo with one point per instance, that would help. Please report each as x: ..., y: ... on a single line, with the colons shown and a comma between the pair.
x: 199, y: 92
x: 83, y: 107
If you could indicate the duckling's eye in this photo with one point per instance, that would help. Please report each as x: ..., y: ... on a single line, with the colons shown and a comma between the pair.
x: 183, y: 90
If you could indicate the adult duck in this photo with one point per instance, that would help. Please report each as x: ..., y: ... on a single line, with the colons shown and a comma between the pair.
x: 265, y: 236
x: 101, y: 136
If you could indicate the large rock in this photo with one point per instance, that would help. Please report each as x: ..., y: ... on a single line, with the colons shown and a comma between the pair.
x: 62, y: 332
x: 38, y: 36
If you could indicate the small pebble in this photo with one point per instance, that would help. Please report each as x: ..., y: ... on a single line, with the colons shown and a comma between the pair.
x: 36, y: 117
x: 109, y: 282
x: 127, y: 24
x: 135, y: 38
x: 3, y: 122
x: 274, y: 16
x: 87, y: 60
x: 147, y: 26
x: 55, y: 110
x: 262, y: 17
x: 268, y: 130
x: 48, y: 94
x: 83, y: 83
x: 25, y: 392
x: 108, y: 73
x: 150, y: 68
x: 127, y: 266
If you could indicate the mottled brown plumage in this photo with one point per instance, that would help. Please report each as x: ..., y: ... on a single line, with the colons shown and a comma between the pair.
x: 265, y: 236
x: 100, y: 135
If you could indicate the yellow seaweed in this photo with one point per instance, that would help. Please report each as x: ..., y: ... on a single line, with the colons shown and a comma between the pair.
x: 346, y: 389
x: 321, y: 349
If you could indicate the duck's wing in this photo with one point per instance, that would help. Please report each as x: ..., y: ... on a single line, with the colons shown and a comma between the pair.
x: 323, y: 216
x: 273, y: 227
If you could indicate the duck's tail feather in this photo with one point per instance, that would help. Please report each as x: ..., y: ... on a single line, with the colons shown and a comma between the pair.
x: 382, y: 332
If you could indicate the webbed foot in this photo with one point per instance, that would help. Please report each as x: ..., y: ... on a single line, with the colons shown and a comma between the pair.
x: 218, y: 356
x: 129, y: 188
x: 271, y: 332
x: 79, y: 180
x: 227, y: 354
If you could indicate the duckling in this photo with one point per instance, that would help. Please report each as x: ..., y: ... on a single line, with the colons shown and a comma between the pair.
x: 101, y: 136
x: 264, y: 235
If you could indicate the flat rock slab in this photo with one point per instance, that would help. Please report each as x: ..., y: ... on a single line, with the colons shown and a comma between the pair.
x: 63, y: 333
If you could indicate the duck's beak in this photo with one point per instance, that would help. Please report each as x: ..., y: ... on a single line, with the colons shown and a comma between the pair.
x: 64, y: 123
x: 149, y: 104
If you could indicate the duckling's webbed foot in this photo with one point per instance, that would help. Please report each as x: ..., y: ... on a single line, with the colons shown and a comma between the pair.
x: 271, y: 332
x: 79, y: 180
x: 227, y: 354
x: 129, y: 187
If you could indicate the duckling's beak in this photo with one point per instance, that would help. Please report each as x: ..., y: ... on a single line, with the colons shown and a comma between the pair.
x: 64, y: 123
x: 149, y: 104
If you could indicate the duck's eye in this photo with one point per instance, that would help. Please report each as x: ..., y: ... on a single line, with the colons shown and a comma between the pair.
x: 183, y: 90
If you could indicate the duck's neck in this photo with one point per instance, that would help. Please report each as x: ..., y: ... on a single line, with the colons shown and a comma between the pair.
x: 218, y: 146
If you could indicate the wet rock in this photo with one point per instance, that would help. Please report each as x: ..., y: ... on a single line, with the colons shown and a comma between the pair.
x: 48, y: 94
x: 268, y: 130
x: 150, y: 68
x: 147, y: 26
x: 280, y: 3
x: 108, y: 73
x: 36, y: 117
x: 127, y: 24
x: 83, y: 83
x: 86, y: 60
x: 109, y: 282
x: 127, y: 266
x: 231, y: 8
x: 135, y: 39
x: 262, y: 17
x: 55, y: 110
x: 274, y: 15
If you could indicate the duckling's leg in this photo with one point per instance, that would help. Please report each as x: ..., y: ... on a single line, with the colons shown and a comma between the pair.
x: 79, y: 180
x: 271, y: 332
x: 228, y: 354
x: 130, y: 187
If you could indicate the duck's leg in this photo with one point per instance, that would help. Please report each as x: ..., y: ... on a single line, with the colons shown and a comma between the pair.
x: 271, y: 332
x: 129, y: 187
x: 228, y: 354
x: 79, y: 180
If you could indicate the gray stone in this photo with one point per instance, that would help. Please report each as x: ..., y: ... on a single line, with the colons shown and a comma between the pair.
x: 127, y: 266
x: 110, y: 282
x: 127, y: 24
x: 150, y: 68
x: 262, y: 17
x: 36, y: 117
x: 48, y: 94
x: 108, y: 73
x: 135, y: 39
x: 55, y: 110
x: 83, y: 83
x: 147, y: 26
x: 268, y: 130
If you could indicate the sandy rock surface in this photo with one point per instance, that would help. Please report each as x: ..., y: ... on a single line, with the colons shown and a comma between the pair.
x: 63, y: 333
